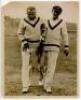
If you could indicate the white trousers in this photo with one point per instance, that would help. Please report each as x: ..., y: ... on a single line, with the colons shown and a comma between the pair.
x: 26, y: 67
x: 51, y: 65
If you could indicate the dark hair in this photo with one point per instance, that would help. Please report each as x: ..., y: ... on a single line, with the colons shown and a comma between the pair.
x: 31, y: 7
x: 57, y: 8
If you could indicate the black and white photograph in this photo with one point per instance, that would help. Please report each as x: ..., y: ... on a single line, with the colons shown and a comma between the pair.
x: 40, y: 48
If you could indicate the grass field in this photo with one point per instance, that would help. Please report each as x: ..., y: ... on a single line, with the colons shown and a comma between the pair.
x: 65, y: 80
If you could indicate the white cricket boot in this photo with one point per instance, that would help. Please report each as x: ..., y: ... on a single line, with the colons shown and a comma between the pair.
x: 48, y: 89
x: 25, y: 90
x: 40, y: 82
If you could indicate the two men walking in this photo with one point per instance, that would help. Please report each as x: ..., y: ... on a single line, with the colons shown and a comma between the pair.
x: 45, y: 38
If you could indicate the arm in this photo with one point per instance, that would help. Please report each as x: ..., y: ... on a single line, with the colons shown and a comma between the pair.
x: 21, y: 35
x: 21, y: 31
x: 65, y: 39
x: 43, y: 31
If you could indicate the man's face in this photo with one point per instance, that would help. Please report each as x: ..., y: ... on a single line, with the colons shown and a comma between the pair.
x: 55, y: 14
x: 31, y: 13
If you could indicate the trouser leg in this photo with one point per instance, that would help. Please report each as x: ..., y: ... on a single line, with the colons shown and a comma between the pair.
x: 34, y: 59
x: 48, y: 78
x: 43, y: 63
x: 25, y: 69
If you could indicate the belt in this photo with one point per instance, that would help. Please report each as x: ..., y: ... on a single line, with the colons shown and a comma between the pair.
x: 52, y: 45
x: 33, y: 41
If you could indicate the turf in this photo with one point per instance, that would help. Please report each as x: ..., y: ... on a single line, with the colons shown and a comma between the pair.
x: 65, y: 80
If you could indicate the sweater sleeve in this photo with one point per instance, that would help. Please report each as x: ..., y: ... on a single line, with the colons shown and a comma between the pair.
x: 21, y: 30
x: 65, y: 35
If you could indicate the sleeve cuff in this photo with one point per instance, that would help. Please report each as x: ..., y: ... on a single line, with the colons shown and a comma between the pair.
x: 66, y: 46
x: 24, y: 40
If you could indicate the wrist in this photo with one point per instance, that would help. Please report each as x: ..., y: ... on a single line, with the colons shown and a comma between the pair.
x: 66, y: 48
x: 24, y: 41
